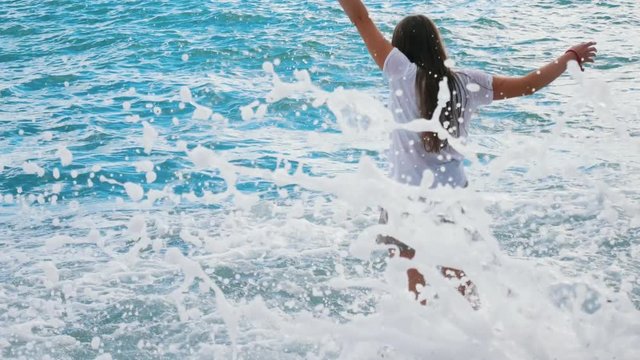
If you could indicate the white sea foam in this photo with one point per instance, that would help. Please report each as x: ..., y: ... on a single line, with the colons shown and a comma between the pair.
x: 66, y: 157
x: 149, y: 136
x: 134, y: 191
x: 51, y: 275
x: 201, y: 112
x: 32, y: 168
x: 277, y: 263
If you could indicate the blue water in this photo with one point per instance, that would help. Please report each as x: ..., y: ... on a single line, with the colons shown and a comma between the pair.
x: 86, y: 75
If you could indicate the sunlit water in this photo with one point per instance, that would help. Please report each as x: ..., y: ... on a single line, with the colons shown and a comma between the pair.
x: 141, y: 216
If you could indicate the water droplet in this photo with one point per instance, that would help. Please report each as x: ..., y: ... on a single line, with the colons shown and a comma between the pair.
x: 473, y: 87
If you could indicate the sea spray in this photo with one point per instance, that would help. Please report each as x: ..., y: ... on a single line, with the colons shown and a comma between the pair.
x: 281, y: 211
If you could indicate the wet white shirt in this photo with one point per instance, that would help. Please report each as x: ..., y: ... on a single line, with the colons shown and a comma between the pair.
x: 407, y: 155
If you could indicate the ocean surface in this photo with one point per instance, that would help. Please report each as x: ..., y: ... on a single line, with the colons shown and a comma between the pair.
x: 202, y: 179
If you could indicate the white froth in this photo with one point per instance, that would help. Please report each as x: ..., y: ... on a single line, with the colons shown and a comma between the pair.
x: 201, y: 112
x: 32, y: 168
x: 185, y: 95
x: 59, y: 241
x: 137, y: 225
x: 202, y: 157
x: 56, y: 188
x: 267, y: 67
x: 135, y: 191
x: 47, y: 136
x: 132, y: 118
x: 51, y: 274
x: 151, y: 176
x: 144, y: 166
x: 66, y: 157
x: 149, y: 136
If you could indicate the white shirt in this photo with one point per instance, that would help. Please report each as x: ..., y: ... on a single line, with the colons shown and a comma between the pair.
x: 407, y: 155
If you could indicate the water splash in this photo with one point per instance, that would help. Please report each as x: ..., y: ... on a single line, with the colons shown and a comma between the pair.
x: 249, y: 231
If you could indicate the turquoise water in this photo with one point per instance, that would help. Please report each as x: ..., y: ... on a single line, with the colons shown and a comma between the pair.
x: 283, y: 267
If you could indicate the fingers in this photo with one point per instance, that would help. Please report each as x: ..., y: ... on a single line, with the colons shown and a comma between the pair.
x: 588, y: 45
x: 589, y: 58
x: 586, y: 51
x: 590, y: 52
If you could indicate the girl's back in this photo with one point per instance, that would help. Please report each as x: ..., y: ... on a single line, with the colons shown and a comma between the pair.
x: 407, y: 154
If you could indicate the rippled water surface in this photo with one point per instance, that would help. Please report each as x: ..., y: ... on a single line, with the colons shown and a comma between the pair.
x: 201, y: 179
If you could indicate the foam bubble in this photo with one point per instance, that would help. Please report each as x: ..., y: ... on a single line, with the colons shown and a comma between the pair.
x: 149, y: 136
x: 58, y: 241
x: 51, y: 274
x: 246, y: 113
x: 95, y: 343
x: 181, y: 145
x: 473, y: 87
x: 201, y: 112
x: 32, y: 168
x: 132, y: 118
x: 261, y: 111
x: 267, y: 67
x: 137, y: 225
x: 185, y: 95
x: 56, y: 188
x: 66, y: 157
x: 202, y: 157
x: 134, y: 191
x: 144, y: 166
x: 151, y: 176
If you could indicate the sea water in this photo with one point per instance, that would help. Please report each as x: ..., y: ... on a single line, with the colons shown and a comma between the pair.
x: 202, y: 179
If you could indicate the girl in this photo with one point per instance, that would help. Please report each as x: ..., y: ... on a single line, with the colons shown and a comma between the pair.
x: 414, y: 62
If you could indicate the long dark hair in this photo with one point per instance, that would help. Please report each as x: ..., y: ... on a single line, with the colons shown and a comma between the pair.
x: 418, y: 38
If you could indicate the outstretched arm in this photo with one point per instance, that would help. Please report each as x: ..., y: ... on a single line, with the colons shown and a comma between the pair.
x: 378, y: 46
x: 509, y: 87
